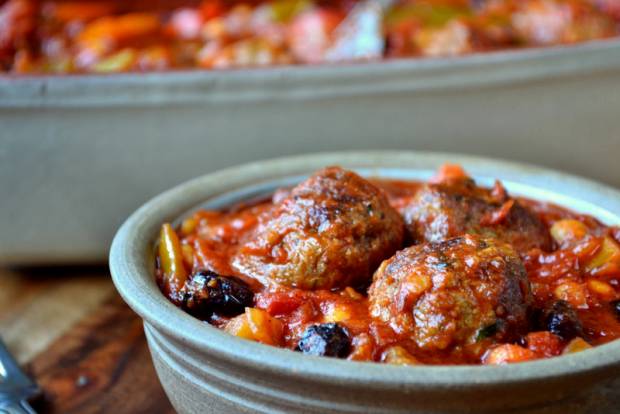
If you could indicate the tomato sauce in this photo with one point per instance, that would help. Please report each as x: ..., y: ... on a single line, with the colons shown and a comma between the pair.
x: 579, y: 274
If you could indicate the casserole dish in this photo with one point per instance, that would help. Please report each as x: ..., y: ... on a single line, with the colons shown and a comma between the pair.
x: 69, y: 142
x: 202, y: 368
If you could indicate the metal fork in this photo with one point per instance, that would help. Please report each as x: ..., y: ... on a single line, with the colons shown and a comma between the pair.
x: 15, y: 386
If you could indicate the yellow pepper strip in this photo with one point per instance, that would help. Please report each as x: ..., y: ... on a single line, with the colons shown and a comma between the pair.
x: 568, y: 230
x: 398, y: 355
x: 601, y: 289
x: 607, y: 255
x: 257, y: 325
x: 239, y: 326
x: 171, y: 257
x: 576, y: 345
x: 120, y: 61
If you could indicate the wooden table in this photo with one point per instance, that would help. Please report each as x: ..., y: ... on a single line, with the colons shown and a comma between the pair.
x: 84, y: 347
x: 87, y: 351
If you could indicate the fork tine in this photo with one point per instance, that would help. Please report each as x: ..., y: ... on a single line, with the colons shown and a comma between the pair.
x: 11, y: 367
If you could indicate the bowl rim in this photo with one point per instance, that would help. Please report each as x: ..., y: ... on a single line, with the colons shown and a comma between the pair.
x: 131, y: 270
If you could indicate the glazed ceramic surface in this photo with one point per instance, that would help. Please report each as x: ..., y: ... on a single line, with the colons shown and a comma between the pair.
x: 79, y: 153
x: 204, y: 369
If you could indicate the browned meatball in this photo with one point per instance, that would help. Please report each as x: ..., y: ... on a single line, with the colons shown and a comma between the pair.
x: 332, y: 230
x: 453, y: 292
x: 454, y: 207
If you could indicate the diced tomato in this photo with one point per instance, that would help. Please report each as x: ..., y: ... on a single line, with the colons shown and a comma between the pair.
x: 67, y: 11
x: 449, y: 172
x: 363, y: 348
x: 280, y: 302
x: 498, y: 216
x: 508, y: 354
x: 544, y: 343
x: 211, y: 8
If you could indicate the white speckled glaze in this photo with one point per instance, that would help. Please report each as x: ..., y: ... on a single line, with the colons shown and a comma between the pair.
x: 204, y: 369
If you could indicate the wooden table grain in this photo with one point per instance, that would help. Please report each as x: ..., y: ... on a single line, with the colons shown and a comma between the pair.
x: 84, y: 347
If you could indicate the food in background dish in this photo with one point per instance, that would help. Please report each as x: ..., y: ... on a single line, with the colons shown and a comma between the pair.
x: 103, y: 36
x: 339, y: 266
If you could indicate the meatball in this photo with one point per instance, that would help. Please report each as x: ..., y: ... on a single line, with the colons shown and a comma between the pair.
x: 332, y: 230
x: 454, y: 292
x: 456, y: 206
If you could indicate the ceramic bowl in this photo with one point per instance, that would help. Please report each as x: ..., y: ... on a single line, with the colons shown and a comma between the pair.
x: 204, y: 369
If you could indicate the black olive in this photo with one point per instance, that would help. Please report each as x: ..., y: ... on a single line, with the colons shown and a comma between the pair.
x: 616, y: 308
x: 561, y: 319
x: 208, y: 293
x: 487, y: 332
x: 327, y: 339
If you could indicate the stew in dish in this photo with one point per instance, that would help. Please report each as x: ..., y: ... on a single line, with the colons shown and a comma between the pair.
x: 103, y: 36
x: 442, y: 272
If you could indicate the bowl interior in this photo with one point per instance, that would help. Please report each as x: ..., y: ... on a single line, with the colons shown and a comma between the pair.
x: 531, y: 191
x: 132, y: 261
